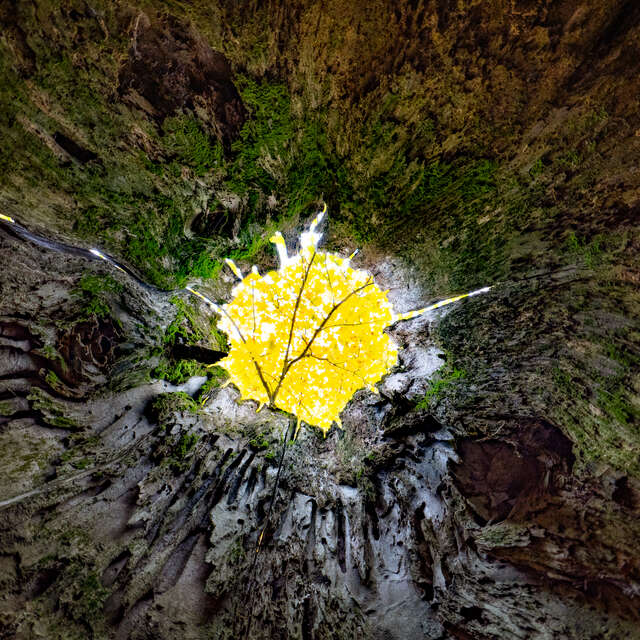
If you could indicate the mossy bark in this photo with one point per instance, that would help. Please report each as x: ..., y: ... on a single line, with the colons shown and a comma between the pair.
x: 458, y: 145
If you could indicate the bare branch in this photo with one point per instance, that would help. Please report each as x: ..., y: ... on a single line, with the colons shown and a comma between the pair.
x: 335, y: 307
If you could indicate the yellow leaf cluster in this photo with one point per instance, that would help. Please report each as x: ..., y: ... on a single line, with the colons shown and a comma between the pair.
x: 305, y: 338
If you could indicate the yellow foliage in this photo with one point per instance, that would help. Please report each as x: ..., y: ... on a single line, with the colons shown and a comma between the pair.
x: 305, y: 338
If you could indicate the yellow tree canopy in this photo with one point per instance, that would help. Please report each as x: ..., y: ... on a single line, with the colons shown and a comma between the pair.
x: 305, y: 338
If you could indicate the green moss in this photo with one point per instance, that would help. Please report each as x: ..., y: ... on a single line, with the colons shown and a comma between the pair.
x: 51, y: 353
x: 185, y: 325
x: 278, y: 154
x: 595, y: 408
x: 96, y: 293
x: 95, y: 307
x: 136, y: 204
x: 215, y: 377
x: 562, y: 379
x: 503, y: 535
x: 12, y: 96
x: 165, y: 405
x: 96, y: 284
x: 52, y: 412
x: 180, y: 371
x: 125, y: 202
x: 623, y: 356
x: 267, y: 133
x: 617, y: 406
x: 365, y: 486
x: 445, y: 379
x: 71, y: 456
x: 292, y: 157
x: 186, y: 443
x: 198, y: 263
x: 219, y: 338
x: 185, y: 139
x: 179, y: 451
x: 588, y: 251
x: 237, y: 553
x: 89, y: 597
x: 537, y: 168
x: 52, y: 380
x: 6, y: 408
x: 62, y: 422
x: 190, y: 328
x: 569, y: 160
x: 260, y: 442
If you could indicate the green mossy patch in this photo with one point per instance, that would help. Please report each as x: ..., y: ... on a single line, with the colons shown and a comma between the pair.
x: 190, y: 145
x: 96, y: 293
x: 136, y: 204
x: 7, y: 408
x: 52, y: 412
x: 183, y: 448
x: 164, y: 406
x: 174, y: 449
x: 188, y: 327
x: 443, y: 379
x: 216, y: 376
x: 260, y: 442
x: 186, y: 324
x: 504, y: 534
x: 89, y: 598
x: 178, y: 372
x: 597, y: 410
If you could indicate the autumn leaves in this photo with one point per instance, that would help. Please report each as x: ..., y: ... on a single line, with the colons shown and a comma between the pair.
x: 305, y: 338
